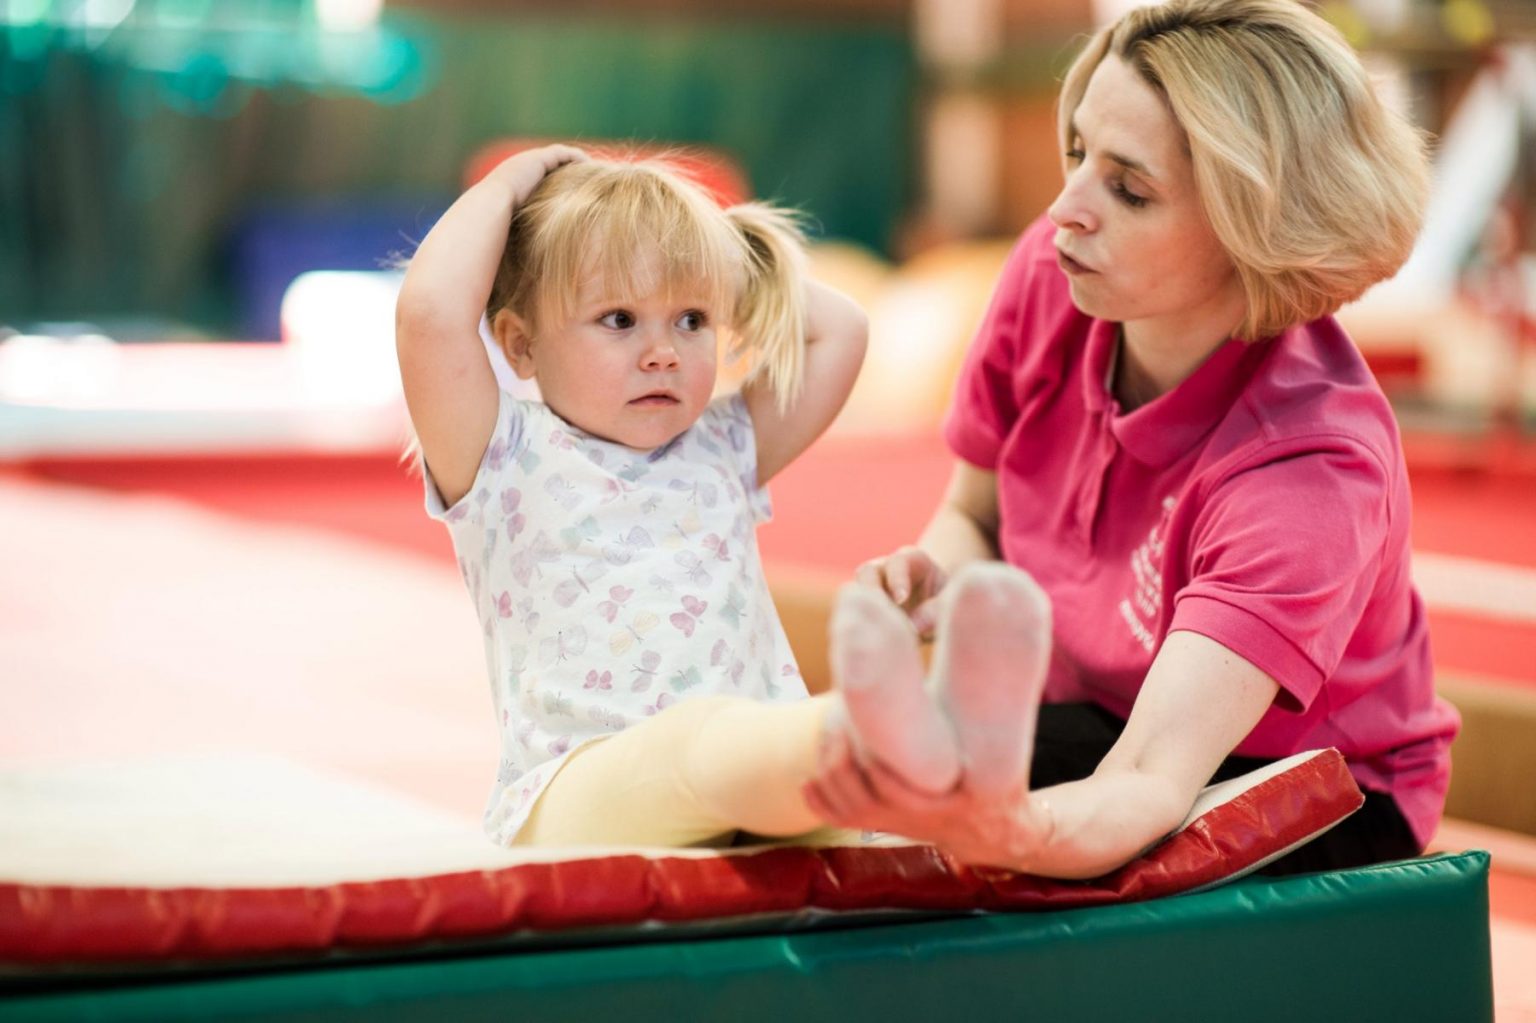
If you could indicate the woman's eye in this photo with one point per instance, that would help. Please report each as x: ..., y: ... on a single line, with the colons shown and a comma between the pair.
x: 619, y: 319
x: 1127, y: 196
x: 692, y: 320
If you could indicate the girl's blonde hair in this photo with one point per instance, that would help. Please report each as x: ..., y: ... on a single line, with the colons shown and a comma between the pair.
x: 604, y: 219
x: 1312, y: 185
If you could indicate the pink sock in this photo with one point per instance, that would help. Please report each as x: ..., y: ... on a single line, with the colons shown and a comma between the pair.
x: 994, y: 639
x: 879, y: 675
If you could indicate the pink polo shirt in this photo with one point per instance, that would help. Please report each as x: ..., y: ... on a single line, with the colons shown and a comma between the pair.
x: 1262, y: 503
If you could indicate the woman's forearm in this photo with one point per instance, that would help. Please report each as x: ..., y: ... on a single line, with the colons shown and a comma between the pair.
x: 1087, y: 828
x: 1198, y: 701
x: 955, y: 536
x: 953, y: 539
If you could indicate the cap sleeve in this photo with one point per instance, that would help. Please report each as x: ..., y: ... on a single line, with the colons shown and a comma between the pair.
x: 985, y: 403
x: 729, y: 424
x: 500, y: 451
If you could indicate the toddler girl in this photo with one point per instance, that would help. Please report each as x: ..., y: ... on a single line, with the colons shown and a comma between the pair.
x: 644, y: 688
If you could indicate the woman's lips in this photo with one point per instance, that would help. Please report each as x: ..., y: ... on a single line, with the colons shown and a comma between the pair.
x: 1070, y: 265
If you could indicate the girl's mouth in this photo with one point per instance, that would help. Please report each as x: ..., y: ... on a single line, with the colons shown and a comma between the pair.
x: 658, y: 399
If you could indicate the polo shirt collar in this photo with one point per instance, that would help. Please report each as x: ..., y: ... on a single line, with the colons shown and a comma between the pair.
x: 1166, y: 428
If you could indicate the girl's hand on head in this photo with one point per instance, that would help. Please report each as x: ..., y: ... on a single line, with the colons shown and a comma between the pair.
x: 912, y: 579
x: 523, y: 172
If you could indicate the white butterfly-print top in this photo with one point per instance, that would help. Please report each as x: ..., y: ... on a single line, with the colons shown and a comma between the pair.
x: 611, y: 583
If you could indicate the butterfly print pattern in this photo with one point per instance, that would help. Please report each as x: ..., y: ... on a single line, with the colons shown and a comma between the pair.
x: 568, y: 591
x: 687, y: 619
x: 635, y: 541
x: 612, y: 583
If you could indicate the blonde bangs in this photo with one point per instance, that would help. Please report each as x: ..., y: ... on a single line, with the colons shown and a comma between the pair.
x: 628, y: 230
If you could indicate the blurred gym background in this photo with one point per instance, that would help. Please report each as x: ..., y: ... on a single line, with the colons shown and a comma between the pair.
x: 207, y: 543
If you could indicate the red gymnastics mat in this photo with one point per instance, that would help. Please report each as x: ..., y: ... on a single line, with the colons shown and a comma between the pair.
x: 216, y: 859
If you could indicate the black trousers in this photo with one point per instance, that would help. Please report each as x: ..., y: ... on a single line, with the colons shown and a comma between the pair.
x: 1071, y: 739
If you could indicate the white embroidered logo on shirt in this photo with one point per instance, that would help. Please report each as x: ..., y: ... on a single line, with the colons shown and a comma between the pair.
x: 1140, y: 610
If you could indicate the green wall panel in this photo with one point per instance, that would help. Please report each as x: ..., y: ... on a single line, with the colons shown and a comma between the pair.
x: 127, y: 168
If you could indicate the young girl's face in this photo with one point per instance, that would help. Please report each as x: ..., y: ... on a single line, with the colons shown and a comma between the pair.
x: 634, y: 370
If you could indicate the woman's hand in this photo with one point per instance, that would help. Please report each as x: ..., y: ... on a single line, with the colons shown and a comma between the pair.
x: 521, y: 173
x: 912, y: 579
x: 1199, y: 700
x: 977, y: 831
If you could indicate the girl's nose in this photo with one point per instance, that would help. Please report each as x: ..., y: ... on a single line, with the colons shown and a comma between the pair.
x: 1071, y: 210
x: 660, y: 353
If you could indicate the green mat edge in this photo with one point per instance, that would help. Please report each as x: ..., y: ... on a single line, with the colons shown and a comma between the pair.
x: 1394, y: 942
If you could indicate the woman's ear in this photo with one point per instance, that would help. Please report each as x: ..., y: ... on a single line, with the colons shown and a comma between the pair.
x: 516, y: 342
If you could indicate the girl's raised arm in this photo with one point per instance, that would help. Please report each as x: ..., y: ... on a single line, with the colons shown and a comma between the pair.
x: 450, y: 389
x: 836, y: 335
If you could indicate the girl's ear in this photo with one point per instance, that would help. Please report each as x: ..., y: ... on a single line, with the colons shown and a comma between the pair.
x: 512, y: 334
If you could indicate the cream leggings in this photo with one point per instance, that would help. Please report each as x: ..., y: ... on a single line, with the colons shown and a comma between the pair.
x: 693, y: 775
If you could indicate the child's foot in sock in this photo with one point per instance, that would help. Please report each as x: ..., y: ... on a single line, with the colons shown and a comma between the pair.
x: 879, y: 675
x: 994, y: 639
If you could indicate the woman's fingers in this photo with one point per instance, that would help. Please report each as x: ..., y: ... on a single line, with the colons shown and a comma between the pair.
x: 889, y: 788
x: 905, y: 573
x: 869, y: 574
x: 889, y: 574
x: 840, y: 786
x: 925, y: 617
x: 811, y: 793
x: 898, y: 575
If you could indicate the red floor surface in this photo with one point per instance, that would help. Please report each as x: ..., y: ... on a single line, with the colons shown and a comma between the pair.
x: 846, y: 500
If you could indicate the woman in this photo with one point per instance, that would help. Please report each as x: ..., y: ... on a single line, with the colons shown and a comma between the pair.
x: 1162, y: 424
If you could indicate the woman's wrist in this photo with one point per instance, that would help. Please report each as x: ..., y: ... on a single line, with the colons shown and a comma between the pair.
x: 1033, y: 833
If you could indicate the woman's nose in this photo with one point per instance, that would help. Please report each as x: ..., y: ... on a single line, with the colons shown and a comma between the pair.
x: 1071, y: 210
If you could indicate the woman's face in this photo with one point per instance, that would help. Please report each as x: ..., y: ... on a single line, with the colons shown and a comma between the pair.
x: 1131, y: 234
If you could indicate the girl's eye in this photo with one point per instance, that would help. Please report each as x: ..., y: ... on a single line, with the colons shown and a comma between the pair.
x: 692, y: 320
x: 619, y: 319
x: 1075, y: 155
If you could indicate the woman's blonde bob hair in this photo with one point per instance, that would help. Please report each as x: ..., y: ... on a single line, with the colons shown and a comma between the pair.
x: 636, y: 227
x: 1312, y: 185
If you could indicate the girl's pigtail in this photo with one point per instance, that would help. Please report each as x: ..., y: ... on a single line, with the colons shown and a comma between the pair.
x: 770, y: 316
